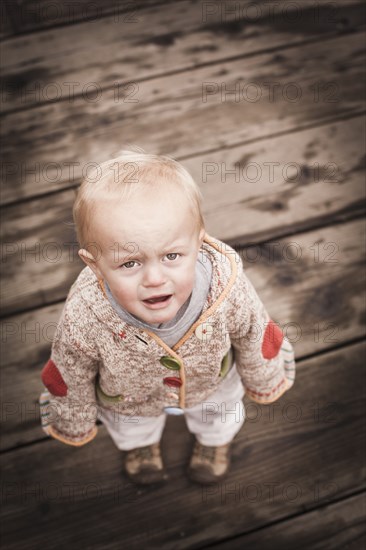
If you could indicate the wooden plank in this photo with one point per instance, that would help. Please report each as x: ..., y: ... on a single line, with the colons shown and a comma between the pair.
x: 311, y: 453
x: 284, y: 184
x: 37, y: 239
x: 31, y: 15
x: 6, y: 28
x: 52, y: 146
x: 26, y: 343
x: 310, y: 298
x: 159, y: 39
x: 40, y: 254
x: 338, y: 525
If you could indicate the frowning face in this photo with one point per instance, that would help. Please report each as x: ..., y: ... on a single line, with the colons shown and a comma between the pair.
x: 148, y: 252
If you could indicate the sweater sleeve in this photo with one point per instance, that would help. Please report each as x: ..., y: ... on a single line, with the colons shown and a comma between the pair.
x: 68, y: 403
x: 264, y: 357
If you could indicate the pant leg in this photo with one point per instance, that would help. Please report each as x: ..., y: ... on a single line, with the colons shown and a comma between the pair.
x: 217, y: 420
x: 129, y: 432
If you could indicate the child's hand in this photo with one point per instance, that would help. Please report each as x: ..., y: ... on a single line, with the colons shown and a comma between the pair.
x: 289, y: 363
x: 43, y: 406
x: 289, y: 383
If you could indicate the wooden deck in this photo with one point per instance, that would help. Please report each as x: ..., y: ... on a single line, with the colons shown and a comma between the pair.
x: 264, y: 104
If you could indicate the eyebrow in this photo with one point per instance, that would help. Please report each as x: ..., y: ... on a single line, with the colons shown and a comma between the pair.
x: 174, y: 245
x: 117, y: 252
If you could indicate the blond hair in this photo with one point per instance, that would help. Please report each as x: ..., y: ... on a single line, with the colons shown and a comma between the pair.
x: 120, y: 177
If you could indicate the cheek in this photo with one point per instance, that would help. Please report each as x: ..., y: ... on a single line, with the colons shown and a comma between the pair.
x: 123, y: 289
x: 186, y: 280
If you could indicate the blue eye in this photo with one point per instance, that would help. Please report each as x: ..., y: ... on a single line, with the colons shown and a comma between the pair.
x: 129, y: 265
x: 172, y: 256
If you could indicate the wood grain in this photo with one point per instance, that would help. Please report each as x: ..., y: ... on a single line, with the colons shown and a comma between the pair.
x: 53, y: 146
x: 147, y: 43
x: 34, y: 15
x: 311, y: 298
x: 6, y: 26
x: 338, y: 525
x: 39, y: 238
x: 308, y: 449
x: 284, y: 184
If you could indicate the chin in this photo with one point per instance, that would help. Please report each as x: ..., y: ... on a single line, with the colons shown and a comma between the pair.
x: 160, y: 319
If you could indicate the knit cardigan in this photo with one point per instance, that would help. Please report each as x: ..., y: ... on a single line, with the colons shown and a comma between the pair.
x: 98, y: 360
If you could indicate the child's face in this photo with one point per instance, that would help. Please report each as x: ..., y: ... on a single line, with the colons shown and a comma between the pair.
x: 149, y: 252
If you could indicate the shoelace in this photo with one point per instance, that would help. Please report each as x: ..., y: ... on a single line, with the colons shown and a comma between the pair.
x: 143, y: 452
x: 207, y: 452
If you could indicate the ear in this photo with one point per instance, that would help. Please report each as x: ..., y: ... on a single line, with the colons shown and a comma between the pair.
x: 90, y: 261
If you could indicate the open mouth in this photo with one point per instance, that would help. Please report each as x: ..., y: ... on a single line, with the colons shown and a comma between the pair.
x: 158, y: 299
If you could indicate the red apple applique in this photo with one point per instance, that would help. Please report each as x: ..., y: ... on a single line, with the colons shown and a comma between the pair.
x: 272, y: 340
x: 52, y: 379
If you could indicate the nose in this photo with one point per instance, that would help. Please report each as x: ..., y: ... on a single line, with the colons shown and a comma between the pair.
x: 154, y: 276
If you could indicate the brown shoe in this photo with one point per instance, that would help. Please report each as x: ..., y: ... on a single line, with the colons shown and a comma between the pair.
x: 209, y: 464
x: 144, y: 465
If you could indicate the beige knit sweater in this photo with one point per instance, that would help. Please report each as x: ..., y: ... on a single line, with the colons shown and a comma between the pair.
x: 98, y: 360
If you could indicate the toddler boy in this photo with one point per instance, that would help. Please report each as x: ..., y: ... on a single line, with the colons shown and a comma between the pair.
x: 162, y: 320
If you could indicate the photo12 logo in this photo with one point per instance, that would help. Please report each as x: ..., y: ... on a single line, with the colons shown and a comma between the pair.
x: 252, y: 92
x: 269, y: 492
x: 288, y: 12
x: 52, y: 12
x: 19, y: 93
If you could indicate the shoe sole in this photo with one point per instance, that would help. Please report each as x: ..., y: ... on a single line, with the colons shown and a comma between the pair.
x: 203, y: 477
x: 147, y: 477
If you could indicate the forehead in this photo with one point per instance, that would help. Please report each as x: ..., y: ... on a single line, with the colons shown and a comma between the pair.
x: 149, y: 218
